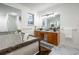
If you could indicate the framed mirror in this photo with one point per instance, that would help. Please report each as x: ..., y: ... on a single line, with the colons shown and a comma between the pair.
x: 51, y: 22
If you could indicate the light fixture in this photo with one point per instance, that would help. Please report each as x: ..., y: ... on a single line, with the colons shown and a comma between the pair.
x: 49, y: 14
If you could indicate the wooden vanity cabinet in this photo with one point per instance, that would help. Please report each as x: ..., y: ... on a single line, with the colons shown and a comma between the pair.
x: 53, y: 37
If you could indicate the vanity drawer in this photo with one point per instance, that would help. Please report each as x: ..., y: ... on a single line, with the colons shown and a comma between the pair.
x: 53, y: 38
x: 52, y: 35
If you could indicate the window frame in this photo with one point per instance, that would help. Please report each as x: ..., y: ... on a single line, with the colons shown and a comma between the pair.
x: 30, y: 22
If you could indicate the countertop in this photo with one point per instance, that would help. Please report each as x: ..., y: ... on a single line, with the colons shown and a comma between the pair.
x: 48, y: 31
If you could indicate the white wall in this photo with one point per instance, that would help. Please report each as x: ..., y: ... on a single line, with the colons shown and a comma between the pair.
x: 2, y: 22
x: 68, y: 13
x: 24, y: 24
x: 38, y: 20
x: 25, y: 10
x: 69, y: 16
x: 4, y: 10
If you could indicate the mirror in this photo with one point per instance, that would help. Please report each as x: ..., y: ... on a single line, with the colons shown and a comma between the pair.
x: 51, y: 23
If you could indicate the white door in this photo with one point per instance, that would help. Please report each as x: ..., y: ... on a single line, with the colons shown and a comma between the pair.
x: 11, y: 24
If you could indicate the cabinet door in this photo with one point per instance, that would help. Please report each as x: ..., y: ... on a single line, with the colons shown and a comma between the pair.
x: 41, y: 35
x: 53, y: 38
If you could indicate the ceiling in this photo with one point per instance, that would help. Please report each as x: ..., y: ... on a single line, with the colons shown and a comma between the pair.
x: 38, y: 6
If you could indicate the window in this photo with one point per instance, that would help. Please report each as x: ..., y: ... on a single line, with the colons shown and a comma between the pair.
x: 30, y: 19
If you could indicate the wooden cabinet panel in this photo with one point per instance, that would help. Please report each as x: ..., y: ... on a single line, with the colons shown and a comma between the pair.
x: 41, y: 35
x: 53, y: 41
x: 38, y: 34
x: 52, y: 37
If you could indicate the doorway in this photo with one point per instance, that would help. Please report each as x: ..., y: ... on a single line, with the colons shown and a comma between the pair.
x: 11, y: 23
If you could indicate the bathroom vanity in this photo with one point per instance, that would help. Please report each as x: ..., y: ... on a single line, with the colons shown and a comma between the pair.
x: 48, y: 36
x: 50, y: 29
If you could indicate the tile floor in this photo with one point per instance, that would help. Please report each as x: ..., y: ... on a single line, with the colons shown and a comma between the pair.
x: 64, y: 50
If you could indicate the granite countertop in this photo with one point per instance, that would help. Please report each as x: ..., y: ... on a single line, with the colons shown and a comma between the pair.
x: 18, y: 46
x: 48, y: 31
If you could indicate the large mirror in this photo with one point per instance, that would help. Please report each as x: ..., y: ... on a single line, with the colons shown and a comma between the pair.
x: 51, y: 23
